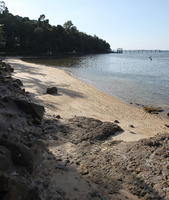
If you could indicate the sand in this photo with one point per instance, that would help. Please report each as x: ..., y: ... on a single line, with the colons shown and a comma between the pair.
x: 76, y: 98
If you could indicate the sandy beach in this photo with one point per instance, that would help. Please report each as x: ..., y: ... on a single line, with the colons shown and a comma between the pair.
x: 76, y: 98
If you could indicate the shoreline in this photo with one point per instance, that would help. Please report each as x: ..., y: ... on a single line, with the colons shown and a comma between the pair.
x: 142, y: 101
x: 77, y: 98
x: 162, y: 113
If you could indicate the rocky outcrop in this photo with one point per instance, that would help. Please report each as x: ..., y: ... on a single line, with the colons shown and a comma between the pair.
x: 17, y: 188
x: 34, y: 110
x: 148, y: 163
x: 19, y: 153
x: 16, y: 157
x: 93, y: 130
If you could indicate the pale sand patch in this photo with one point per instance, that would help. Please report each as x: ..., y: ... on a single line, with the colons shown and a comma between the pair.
x: 78, y: 98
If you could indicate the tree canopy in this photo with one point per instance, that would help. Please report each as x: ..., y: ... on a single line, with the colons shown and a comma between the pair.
x: 39, y: 37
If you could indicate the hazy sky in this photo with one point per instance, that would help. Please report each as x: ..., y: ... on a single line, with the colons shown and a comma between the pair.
x: 130, y: 24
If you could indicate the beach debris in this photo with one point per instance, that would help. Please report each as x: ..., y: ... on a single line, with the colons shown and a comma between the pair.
x: 52, y: 90
x: 152, y: 110
x: 116, y: 121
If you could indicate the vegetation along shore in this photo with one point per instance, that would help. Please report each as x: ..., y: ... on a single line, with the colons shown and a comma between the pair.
x: 22, y: 36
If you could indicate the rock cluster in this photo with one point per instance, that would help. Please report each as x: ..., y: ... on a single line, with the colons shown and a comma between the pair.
x: 16, y: 157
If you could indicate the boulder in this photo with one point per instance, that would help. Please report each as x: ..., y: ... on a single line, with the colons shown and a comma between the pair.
x: 52, y: 90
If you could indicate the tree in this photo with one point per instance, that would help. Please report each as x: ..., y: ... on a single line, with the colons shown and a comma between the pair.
x: 2, y: 40
x: 43, y: 23
x: 23, y: 35
x: 1, y: 34
x: 3, y: 7
x: 41, y: 18
x: 68, y: 25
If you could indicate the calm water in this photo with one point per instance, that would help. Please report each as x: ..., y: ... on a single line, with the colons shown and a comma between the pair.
x: 132, y: 77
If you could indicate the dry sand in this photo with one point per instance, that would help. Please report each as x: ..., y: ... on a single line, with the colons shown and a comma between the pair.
x: 78, y: 98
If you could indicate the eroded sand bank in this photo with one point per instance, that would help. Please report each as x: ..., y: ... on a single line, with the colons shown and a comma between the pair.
x: 76, y: 98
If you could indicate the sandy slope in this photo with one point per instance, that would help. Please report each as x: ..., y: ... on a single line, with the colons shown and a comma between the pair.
x: 80, y: 99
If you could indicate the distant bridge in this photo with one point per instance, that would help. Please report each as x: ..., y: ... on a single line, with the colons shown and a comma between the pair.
x: 142, y: 51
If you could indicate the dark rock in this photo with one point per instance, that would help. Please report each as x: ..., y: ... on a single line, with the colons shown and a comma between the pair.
x: 92, y: 130
x: 20, y: 154
x: 167, y: 125
x: 17, y: 189
x: 131, y: 126
x: 85, y: 122
x: 105, y: 131
x: 7, y: 68
x: 60, y: 166
x: 52, y: 90
x: 58, y: 116
x: 116, y: 121
x: 19, y: 82
x: 35, y: 110
x: 14, y: 84
x: 152, y: 110
x: 5, y: 159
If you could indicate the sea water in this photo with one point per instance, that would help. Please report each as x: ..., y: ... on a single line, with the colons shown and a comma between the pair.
x: 140, y: 77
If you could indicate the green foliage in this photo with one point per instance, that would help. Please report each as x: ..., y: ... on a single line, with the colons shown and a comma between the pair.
x: 39, y: 37
x: 2, y: 6
x: 68, y: 25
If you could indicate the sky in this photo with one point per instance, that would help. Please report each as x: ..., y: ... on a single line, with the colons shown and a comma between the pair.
x: 127, y: 24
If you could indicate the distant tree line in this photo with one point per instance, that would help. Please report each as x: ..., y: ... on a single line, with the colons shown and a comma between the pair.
x: 39, y: 37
